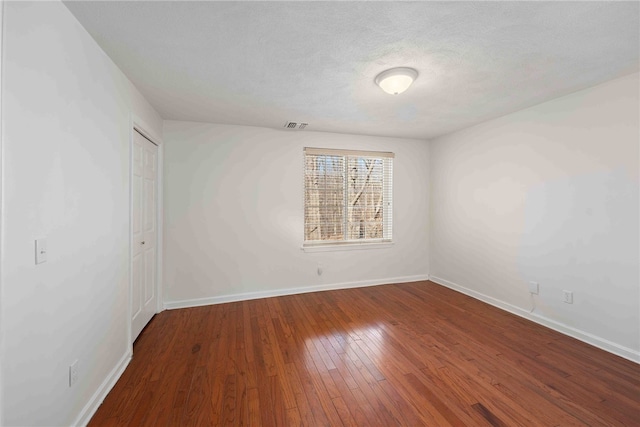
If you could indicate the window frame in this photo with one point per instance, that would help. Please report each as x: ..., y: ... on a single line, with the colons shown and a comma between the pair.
x: 387, y: 197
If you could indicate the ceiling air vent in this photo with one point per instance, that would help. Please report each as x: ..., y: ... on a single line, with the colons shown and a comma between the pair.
x: 295, y: 125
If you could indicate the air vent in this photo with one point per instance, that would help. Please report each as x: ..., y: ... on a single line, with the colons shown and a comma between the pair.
x: 295, y: 125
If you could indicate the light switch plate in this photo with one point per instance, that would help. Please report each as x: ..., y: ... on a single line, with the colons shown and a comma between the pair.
x: 41, y: 250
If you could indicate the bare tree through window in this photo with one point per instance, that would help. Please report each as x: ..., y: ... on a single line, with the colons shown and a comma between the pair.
x: 347, y: 197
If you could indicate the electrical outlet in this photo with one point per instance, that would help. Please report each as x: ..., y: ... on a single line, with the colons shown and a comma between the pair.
x: 568, y: 297
x: 533, y: 288
x: 320, y: 268
x: 73, y: 373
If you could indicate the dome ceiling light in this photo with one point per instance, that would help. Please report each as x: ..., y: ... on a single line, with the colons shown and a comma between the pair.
x: 396, y: 80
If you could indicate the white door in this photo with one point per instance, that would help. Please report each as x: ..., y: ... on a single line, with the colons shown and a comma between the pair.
x: 145, y: 231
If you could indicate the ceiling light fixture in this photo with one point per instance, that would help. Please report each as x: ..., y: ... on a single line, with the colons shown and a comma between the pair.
x: 396, y: 80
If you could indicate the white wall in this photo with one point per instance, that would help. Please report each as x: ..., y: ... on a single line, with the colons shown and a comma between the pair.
x: 1, y: 203
x: 548, y: 194
x: 234, y: 214
x: 66, y: 120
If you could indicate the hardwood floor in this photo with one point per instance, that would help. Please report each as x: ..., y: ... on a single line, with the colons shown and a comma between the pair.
x: 411, y: 354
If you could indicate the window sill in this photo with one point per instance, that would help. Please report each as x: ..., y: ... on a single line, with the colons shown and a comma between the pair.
x: 346, y: 247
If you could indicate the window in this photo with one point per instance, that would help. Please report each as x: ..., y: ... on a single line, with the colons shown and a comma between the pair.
x: 347, y: 196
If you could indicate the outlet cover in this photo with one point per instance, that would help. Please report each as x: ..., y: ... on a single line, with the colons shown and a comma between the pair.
x: 73, y: 373
x: 568, y: 297
x: 533, y: 288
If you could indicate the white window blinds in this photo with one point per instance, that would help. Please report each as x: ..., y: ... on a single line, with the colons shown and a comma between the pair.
x: 347, y: 196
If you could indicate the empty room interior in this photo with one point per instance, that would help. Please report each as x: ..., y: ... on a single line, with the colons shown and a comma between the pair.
x: 319, y: 213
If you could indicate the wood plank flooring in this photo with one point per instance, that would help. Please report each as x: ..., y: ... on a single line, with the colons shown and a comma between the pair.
x: 411, y: 354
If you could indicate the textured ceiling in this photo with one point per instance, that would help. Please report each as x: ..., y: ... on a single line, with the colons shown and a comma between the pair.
x: 264, y: 63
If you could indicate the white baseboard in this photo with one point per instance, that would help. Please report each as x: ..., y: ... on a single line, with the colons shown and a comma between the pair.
x: 98, y: 397
x: 586, y: 337
x: 170, y: 305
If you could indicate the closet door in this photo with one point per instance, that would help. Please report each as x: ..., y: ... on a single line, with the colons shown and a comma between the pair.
x: 144, y: 229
